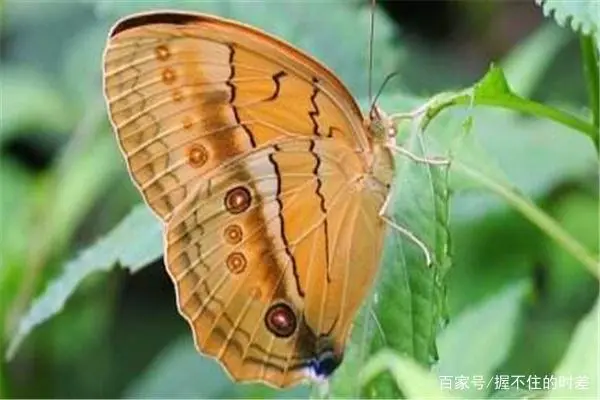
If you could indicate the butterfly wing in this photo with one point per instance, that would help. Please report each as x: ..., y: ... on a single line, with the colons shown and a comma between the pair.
x: 271, y: 260
x: 255, y: 156
x: 187, y: 92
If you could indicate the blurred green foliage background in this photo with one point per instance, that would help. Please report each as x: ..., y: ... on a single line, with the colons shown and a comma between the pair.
x: 64, y: 184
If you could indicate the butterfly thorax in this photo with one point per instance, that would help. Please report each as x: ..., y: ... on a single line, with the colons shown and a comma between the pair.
x: 382, y: 133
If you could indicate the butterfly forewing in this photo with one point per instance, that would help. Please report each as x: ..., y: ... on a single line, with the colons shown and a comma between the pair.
x: 205, y: 90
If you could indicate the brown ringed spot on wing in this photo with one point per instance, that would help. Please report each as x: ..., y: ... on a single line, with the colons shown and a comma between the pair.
x: 281, y: 320
x: 168, y: 76
x: 187, y: 122
x: 177, y: 95
x: 236, y: 263
x: 233, y: 234
x: 162, y: 52
x: 237, y: 200
x: 197, y: 155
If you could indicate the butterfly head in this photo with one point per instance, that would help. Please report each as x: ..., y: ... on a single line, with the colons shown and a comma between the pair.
x: 381, y: 127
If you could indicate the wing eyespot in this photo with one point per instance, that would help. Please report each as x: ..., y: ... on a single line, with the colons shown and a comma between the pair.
x: 168, y: 76
x: 236, y: 263
x: 162, y: 52
x: 281, y: 320
x: 233, y: 234
x: 197, y: 155
x: 237, y: 200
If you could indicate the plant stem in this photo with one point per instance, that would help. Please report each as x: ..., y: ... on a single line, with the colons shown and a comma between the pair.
x: 518, y: 104
x: 537, y: 217
x: 410, y: 377
x: 590, y: 60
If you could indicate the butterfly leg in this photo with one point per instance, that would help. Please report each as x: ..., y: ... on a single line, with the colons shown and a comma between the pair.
x: 410, y: 236
x: 416, y: 158
x: 403, y: 231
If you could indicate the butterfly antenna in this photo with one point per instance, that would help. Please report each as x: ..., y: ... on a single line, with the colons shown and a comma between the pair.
x: 371, y: 40
x: 380, y: 91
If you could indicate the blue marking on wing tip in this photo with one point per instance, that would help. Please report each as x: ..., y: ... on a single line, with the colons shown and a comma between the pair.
x: 324, y: 366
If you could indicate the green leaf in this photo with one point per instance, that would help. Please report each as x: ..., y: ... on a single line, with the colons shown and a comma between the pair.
x: 581, y: 15
x: 16, y: 200
x: 469, y: 164
x: 493, y: 84
x: 116, y: 247
x: 64, y: 197
x: 414, y: 381
x: 408, y: 304
x: 3, y: 385
x: 76, y: 184
x: 493, y: 90
x: 578, y: 370
x: 504, y: 147
x: 463, y: 353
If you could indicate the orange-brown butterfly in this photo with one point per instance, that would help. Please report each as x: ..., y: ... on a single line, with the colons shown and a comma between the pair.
x: 271, y: 185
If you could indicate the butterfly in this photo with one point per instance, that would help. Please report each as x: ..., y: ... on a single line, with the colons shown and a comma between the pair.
x: 271, y: 184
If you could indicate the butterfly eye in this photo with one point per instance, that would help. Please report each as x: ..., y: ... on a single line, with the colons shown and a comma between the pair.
x: 281, y: 320
x: 236, y: 263
x: 237, y: 200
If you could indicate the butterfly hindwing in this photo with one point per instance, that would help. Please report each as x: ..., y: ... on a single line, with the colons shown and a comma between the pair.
x: 250, y: 240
